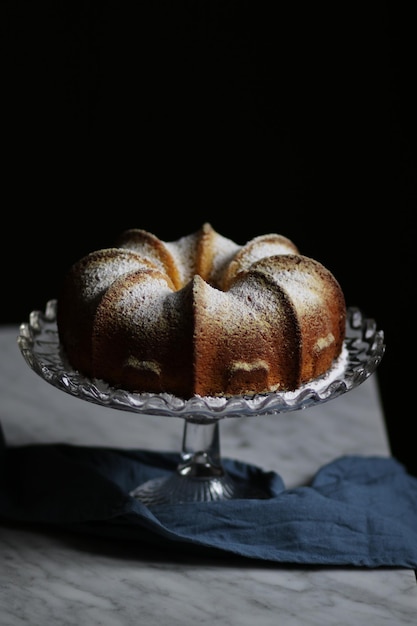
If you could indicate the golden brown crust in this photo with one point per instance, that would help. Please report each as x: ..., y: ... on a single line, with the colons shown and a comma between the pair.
x: 81, y: 291
x: 205, y: 251
x: 144, y: 243
x: 254, y: 250
x: 320, y: 305
x: 124, y: 315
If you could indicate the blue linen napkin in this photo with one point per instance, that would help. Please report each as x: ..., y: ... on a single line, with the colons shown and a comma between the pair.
x: 358, y: 511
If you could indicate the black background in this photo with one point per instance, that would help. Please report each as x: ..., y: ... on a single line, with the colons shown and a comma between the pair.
x: 165, y: 115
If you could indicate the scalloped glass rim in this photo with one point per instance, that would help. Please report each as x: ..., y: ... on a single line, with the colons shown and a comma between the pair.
x: 39, y: 345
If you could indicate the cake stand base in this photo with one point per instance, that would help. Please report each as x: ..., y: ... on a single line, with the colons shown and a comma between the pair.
x: 199, y: 477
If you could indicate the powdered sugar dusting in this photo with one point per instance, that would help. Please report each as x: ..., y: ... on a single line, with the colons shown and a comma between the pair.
x: 261, y: 249
x: 224, y: 251
x: 183, y: 252
x: 142, y: 302
x: 103, y: 268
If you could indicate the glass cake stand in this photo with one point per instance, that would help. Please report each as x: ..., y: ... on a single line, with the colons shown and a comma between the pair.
x: 200, y: 475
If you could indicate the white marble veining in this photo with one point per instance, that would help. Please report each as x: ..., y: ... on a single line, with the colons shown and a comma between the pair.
x: 64, y: 580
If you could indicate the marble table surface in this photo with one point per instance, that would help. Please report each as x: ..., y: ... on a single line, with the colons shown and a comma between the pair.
x: 59, y: 579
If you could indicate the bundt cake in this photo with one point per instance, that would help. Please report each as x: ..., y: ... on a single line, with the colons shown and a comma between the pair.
x: 201, y: 315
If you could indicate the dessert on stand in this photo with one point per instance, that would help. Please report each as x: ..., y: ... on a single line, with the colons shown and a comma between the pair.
x: 200, y: 475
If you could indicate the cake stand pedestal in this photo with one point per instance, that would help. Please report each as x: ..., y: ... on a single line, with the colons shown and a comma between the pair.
x: 200, y: 475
